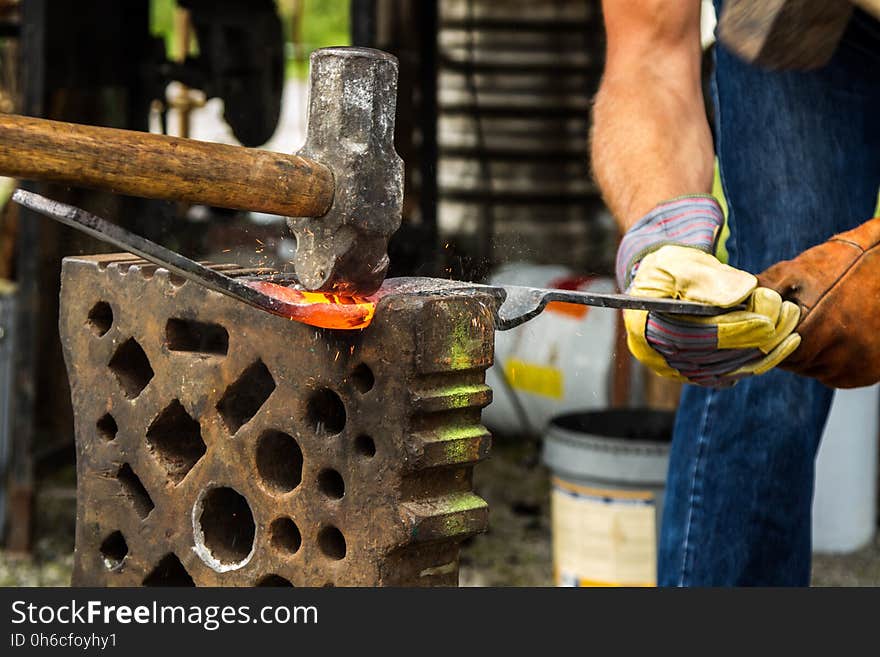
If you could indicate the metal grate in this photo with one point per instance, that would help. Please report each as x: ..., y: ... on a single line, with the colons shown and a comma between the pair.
x: 515, y: 87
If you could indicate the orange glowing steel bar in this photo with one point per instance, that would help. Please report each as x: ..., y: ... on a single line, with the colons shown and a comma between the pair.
x: 322, y: 309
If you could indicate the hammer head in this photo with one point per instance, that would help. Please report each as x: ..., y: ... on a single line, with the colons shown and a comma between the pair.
x: 352, y: 101
x: 784, y: 34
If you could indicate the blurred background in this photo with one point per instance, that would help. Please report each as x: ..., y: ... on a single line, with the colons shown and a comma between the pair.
x: 492, y: 124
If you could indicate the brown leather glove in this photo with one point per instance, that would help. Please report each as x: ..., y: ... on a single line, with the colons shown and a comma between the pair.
x: 837, y: 286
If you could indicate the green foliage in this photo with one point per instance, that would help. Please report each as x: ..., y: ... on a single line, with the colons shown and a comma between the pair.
x: 162, y: 22
x: 324, y: 23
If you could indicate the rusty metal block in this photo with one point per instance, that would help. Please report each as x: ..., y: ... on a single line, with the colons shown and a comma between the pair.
x: 221, y: 445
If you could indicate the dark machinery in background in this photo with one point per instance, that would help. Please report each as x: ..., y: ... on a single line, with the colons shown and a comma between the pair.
x: 492, y: 124
x: 240, y: 59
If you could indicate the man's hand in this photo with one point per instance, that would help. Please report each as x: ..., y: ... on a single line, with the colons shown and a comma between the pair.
x: 837, y: 286
x: 668, y: 254
x: 711, y: 351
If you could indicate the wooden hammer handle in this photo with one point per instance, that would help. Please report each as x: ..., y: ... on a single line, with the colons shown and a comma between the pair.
x: 162, y: 167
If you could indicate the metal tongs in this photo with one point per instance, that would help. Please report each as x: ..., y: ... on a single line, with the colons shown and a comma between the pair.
x: 515, y: 304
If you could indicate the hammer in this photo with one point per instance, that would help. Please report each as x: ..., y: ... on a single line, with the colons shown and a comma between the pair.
x: 787, y: 34
x: 342, y: 192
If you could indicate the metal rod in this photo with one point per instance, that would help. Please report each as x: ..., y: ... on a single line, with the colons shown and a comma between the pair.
x: 144, y: 248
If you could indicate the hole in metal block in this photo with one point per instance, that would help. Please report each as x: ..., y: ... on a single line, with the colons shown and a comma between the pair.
x: 107, y: 428
x: 175, y: 441
x: 101, y: 318
x: 285, y: 535
x: 279, y: 461
x: 131, y: 367
x: 332, y: 543
x: 176, y: 279
x: 331, y: 484
x: 274, y: 580
x: 243, y: 399
x: 114, y: 549
x: 363, y: 378
x: 147, y: 271
x: 134, y: 490
x: 225, y: 528
x: 365, y: 446
x: 169, y: 572
x: 325, y: 412
x: 197, y: 337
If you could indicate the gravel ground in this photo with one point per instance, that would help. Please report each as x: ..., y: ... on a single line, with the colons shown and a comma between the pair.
x: 51, y: 562
x: 516, y: 551
x: 860, y: 568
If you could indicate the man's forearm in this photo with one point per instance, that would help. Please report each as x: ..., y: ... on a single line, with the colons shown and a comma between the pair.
x: 650, y: 140
x: 650, y: 143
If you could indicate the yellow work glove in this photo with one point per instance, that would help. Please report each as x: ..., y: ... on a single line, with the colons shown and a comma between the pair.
x: 713, y: 351
x: 668, y: 253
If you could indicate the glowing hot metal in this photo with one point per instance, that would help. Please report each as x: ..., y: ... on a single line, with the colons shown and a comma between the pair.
x: 321, y: 309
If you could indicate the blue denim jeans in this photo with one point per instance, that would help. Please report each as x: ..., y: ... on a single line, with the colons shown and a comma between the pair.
x: 800, y: 160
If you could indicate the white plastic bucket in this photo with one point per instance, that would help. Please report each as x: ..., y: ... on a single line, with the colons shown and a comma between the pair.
x: 560, y: 362
x: 845, y: 499
x: 608, y: 481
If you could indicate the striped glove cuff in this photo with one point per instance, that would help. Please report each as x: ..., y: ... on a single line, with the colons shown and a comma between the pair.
x: 694, y: 221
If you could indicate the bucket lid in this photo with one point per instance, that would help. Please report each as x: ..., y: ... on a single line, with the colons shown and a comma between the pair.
x: 620, y: 446
x: 630, y: 424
